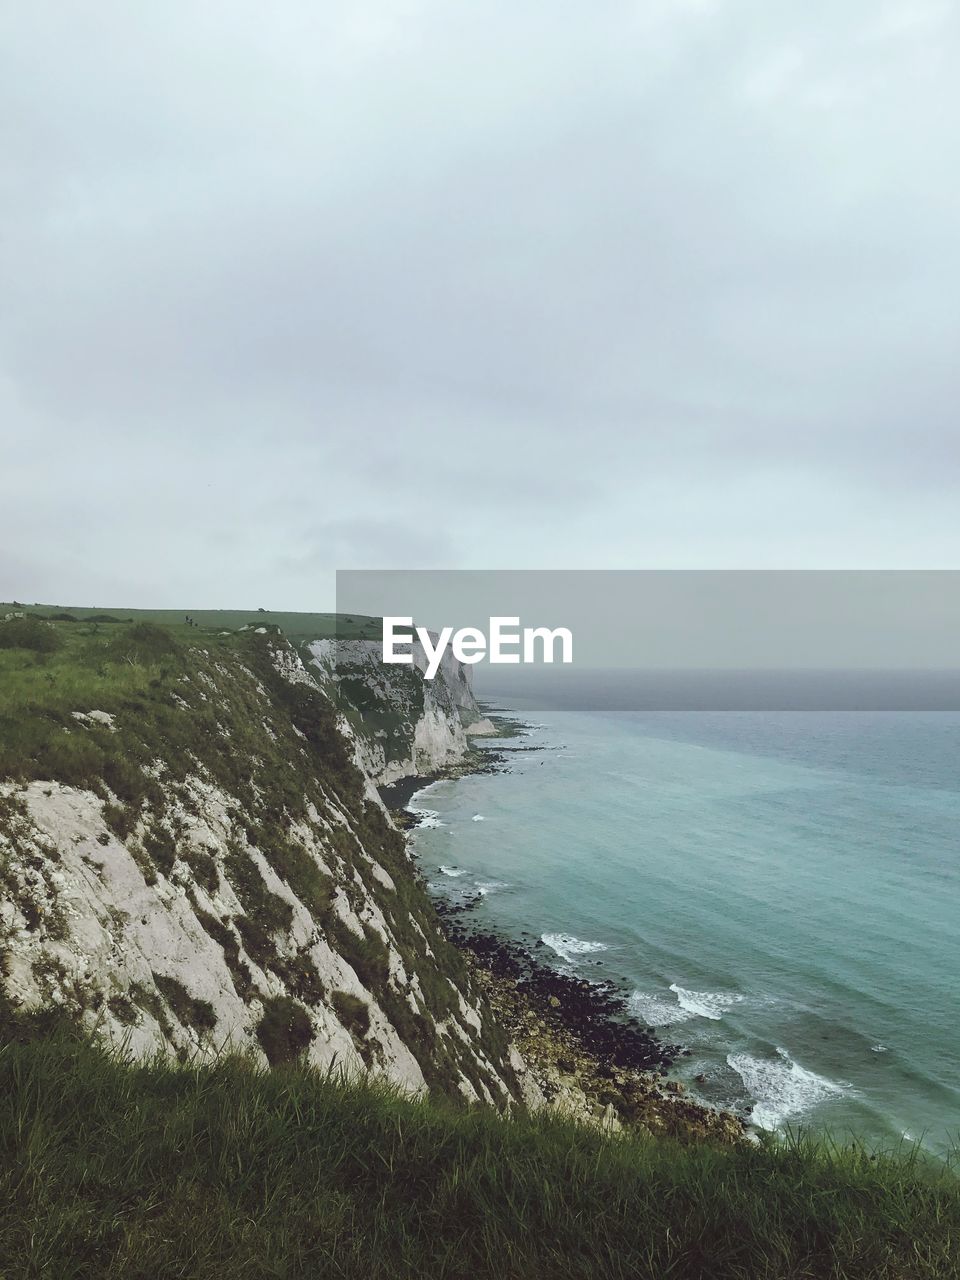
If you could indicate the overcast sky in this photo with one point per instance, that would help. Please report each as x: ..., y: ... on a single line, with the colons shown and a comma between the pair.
x: 315, y: 285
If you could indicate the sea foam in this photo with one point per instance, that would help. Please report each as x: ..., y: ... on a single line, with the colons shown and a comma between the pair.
x: 425, y: 817
x: 705, y: 1004
x: 485, y: 887
x: 781, y: 1088
x: 569, y: 948
x: 660, y: 1011
x: 656, y: 1011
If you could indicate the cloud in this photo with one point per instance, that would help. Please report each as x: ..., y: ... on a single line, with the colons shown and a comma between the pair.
x: 533, y: 278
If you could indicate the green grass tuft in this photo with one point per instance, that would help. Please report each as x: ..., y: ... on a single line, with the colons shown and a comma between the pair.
x: 189, y: 1010
x: 353, y: 1012
x: 284, y: 1031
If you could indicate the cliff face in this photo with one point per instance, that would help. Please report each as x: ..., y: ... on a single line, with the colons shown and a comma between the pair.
x: 404, y: 725
x: 190, y: 858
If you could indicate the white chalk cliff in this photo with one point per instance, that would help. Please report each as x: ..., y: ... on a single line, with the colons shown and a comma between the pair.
x: 231, y: 879
x: 405, y: 725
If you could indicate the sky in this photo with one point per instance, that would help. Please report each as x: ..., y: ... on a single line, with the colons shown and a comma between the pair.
x: 414, y: 284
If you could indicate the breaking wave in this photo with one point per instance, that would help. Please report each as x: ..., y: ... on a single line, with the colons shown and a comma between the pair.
x: 485, y: 887
x: 781, y: 1088
x: 569, y: 948
x: 425, y: 817
x: 705, y: 1004
x: 660, y: 1011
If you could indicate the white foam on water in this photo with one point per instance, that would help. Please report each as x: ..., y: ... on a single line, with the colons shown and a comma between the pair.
x: 569, y: 948
x: 656, y: 1011
x: 781, y: 1088
x: 478, y: 817
x: 454, y: 872
x: 485, y: 887
x: 705, y: 1004
x: 660, y: 1011
x: 425, y: 817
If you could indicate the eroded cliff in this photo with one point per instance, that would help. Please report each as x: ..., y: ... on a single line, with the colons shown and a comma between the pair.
x: 191, y: 859
x: 404, y: 724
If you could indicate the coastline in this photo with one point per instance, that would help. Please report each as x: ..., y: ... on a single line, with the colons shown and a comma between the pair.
x: 397, y: 796
x: 588, y: 1054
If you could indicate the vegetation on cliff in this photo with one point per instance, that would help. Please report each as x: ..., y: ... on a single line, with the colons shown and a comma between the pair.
x: 216, y: 763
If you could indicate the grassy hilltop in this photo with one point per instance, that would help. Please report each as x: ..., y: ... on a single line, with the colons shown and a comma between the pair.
x: 56, y: 663
x: 295, y: 626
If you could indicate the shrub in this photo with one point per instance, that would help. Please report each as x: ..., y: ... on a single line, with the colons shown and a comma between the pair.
x: 301, y: 872
x: 123, y: 1009
x: 124, y: 777
x: 204, y: 868
x: 353, y: 1012
x: 301, y: 977
x: 189, y: 1010
x: 28, y: 633
x: 143, y: 642
x: 272, y: 913
x: 258, y: 943
x: 367, y: 956
x: 284, y: 1031
x: 239, y: 971
x: 71, y: 757
x: 160, y: 848
x: 121, y: 820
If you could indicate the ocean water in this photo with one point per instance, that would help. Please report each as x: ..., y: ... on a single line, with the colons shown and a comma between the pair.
x: 778, y: 892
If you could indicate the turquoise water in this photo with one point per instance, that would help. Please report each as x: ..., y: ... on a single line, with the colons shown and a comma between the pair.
x: 778, y: 892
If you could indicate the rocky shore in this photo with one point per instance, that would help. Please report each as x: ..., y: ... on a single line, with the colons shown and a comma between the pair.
x: 589, y: 1056
x: 396, y: 796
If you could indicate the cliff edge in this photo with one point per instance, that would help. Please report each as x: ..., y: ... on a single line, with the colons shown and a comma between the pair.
x: 191, y: 858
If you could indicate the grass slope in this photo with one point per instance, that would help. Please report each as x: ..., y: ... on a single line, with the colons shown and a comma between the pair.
x: 159, y: 1170
x: 297, y: 627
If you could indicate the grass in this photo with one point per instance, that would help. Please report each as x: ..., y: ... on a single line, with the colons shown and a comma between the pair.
x: 353, y: 1012
x: 163, y: 1170
x: 189, y: 1010
x: 296, y: 626
x: 284, y: 1030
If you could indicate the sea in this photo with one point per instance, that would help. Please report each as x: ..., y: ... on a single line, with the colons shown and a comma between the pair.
x: 777, y: 892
